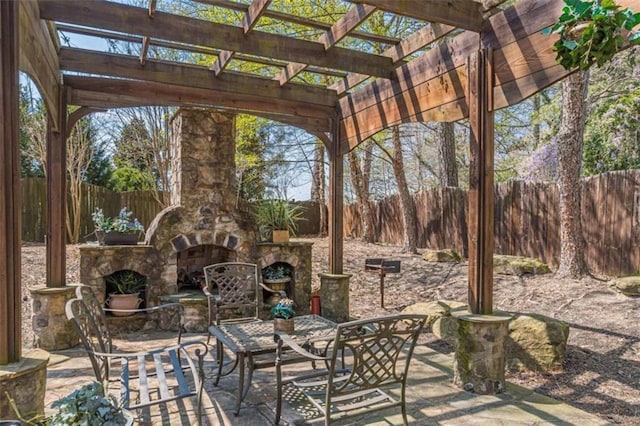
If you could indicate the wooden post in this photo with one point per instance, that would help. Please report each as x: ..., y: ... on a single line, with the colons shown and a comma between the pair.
x: 481, y: 203
x: 10, y: 216
x: 336, y: 204
x: 57, y: 197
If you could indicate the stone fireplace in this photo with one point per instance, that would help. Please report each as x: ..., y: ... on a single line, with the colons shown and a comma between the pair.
x: 204, y: 224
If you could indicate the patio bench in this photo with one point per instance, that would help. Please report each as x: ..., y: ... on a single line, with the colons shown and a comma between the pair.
x: 146, y: 377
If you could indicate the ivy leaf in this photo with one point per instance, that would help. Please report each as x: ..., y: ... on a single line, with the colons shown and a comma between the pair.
x: 570, y: 44
x: 634, y: 38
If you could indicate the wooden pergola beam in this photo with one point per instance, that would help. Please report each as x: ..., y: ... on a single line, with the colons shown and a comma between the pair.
x: 10, y: 216
x: 300, y: 20
x: 354, y: 17
x: 193, y: 76
x: 92, y: 91
x: 465, y: 14
x: 130, y: 19
x: 250, y: 19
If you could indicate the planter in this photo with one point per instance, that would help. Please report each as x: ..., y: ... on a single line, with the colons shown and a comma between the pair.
x: 284, y: 325
x: 279, y: 284
x: 280, y: 236
x: 124, y: 301
x: 115, y: 238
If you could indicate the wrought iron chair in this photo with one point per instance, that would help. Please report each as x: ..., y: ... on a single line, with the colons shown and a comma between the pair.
x: 153, y: 377
x: 376, y: 354
x: 232, y: 287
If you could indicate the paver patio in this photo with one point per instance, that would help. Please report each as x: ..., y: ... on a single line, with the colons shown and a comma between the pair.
x: 432, y: 399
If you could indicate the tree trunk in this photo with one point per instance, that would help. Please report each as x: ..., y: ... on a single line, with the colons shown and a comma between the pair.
x: 362, y: 197
x: 574, y: 92
x: 406, y: 202
x: 447, y: 155
x: 318, y: 185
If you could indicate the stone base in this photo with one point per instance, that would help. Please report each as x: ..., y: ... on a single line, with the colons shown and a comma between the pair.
x: 195, y: 311
x: 479, y: 363
x: 51, y: 328
x: 25, y: 382
x: 334, y: 296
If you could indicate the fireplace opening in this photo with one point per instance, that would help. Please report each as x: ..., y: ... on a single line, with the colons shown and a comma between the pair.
x: 191, y: 262
x: 126, y: 281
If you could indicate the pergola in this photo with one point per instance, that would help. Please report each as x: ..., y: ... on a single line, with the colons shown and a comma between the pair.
x: 467, y: 59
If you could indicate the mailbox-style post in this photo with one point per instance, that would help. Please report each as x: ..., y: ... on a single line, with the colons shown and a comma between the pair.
x: 383, y: 267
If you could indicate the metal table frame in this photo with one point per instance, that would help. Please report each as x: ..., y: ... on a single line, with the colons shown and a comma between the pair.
x: 250, y: 339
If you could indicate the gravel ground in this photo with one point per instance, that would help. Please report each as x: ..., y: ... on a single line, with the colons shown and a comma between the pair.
x: 602, y: 370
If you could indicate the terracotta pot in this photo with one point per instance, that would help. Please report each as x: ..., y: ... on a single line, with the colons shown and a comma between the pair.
x: 124, y: 301
x: 285, y: 325
x: 280, y: 236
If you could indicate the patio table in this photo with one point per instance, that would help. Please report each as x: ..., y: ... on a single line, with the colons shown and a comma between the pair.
x: 250, y: 339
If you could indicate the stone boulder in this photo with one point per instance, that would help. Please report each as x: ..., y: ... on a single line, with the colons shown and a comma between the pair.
x: 439, y: 318
x: 629, y: 286
x: 518, y: 265
x: 536, y: 343
x: 444, y: 255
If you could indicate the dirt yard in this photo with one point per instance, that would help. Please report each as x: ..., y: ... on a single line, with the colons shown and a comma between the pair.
x: 602, y: 370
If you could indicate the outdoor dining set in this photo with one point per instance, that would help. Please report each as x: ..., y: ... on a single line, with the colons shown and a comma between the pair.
x: 354, y: 367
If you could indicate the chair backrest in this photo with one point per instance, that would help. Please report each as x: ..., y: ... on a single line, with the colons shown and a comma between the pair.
x: 374, y: 353
x: 94, y: 342
x: 86, y: 294
x: 235, y: 283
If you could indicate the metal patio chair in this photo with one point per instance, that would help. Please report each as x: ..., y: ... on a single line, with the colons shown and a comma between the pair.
x: 145, y: 378
x: 233, y: 288
x: 377, y: 353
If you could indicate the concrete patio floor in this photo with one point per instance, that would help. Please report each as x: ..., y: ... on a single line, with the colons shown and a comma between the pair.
x: 431, y: 397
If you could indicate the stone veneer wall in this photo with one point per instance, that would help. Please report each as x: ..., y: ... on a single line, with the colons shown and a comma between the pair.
x: 298, y: 255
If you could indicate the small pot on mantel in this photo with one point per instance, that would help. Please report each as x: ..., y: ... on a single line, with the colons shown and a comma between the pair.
x: 280, y: 236
x: 284, y: 325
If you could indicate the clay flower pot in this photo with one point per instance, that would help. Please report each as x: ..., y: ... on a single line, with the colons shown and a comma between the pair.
x: 124, y: 301
x: 284, y: 325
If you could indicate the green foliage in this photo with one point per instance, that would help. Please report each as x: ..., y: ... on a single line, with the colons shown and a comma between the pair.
x: 128, y: 178
x: 125, y: 282
x: 122, y: 223
x: 273, y: 215
x: 283, y: 309
x: 276, y: 272
x: 592, y: 32
x: 250, y: 151
x: 88, y: 406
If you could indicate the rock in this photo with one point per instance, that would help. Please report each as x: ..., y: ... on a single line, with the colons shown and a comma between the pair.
x: 536, y: 343
x: 518, y: 265
x: 434, y: 309
x: 446, y: 328
x: 444, y: 255
x: 629, y: 286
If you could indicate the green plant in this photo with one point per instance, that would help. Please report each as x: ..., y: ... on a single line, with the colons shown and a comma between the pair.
x: 125, y: 282
x: 283, y: 309
x: 85, y: 406
x: 592, y: 32
x: 273, y: 272
x: 274, y: 215
x: 122, y: 223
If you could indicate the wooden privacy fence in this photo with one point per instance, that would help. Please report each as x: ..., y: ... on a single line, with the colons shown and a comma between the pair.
x: 141, y: 203
x: 527, y: 221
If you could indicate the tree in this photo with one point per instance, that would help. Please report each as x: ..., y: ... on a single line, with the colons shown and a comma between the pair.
x: 574, y: 91
x: 318, y: 185
x: 447, y: 155
x: 360, y: 169
x: 79, y: 154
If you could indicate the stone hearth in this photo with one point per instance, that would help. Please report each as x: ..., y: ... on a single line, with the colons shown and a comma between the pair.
x: 204, y: 224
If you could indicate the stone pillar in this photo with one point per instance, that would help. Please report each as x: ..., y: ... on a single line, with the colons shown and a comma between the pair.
x: 479, y: 363
x: 334, y: 296
x: 25, y: 382
x: 50, y: 325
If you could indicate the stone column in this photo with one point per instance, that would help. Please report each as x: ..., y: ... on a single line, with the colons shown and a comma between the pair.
x: 25, y: 382
x: 480, y: 358
x: 50, y: 325
x: 334, y: 296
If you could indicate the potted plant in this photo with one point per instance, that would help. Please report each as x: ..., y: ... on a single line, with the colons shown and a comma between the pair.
x: 85, y: 406
x: 592, y: 32
x: 276, y: 276
x: 123, y: 229
x: 124, y: 289
x: 283, y: 314
x: 278, y: 219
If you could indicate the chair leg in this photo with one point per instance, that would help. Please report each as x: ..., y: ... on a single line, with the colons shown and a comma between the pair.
x: 220, y: 359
